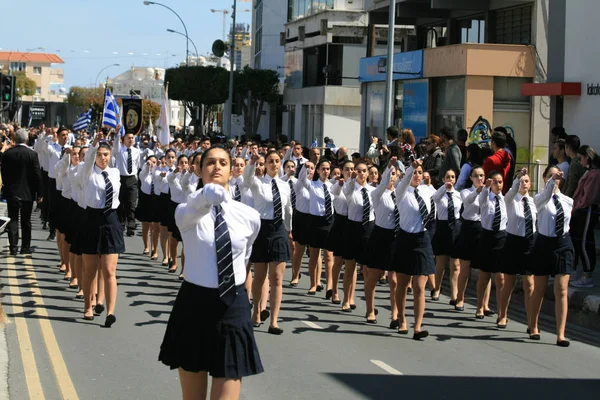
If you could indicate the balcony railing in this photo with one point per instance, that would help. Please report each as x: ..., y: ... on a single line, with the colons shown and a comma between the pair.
x: 57, y: 76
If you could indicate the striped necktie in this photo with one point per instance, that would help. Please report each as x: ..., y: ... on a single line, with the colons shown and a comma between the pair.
x: 528, y: 219
x: 276, y: 203
x: 129, y: 162
x: 108, y: 193
x: 451, y: 215
x: 422, y: 207
x: 199, y: 184
x: 396, y: 213
x: 560, y: 217
x: 62, y: 152
x: 152, y: 186
x: 366, y: 206
x: 237, y: 196
x: 432, y: 210
x: 224, y: 259
x: 328, y: 208
x: 293, y: 193
x: 497, y: 215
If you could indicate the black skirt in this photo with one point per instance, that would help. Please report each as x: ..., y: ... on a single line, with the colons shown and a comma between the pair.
x: 489, y: 251
x: 172, y: 224
x: 444, y: 238
x: 155, y: 204
x: 334, y: 240
x: 300, y: 223
x: 71, y: 221
x: 517, y: 255
x: 413, y: 254
x: 164, y: 204
x: 102, y: 234
x: 355, y: 240
x: 552, y: 255
x: 380, y: 248
x: 144, y: 209
x: 319, y: 228
x: 221, y: 342
x: 63, y: 217
x: 271, y: 244
x: 465, y: 247
x: 78, y: 224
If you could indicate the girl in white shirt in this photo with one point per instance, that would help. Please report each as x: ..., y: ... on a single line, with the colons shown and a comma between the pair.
x: 517, y: 253
x: 413, y: 257
x: 320, y: 223
x: 465, y: 248
x: 448, y: 203
x: 552, y: 253
x: 177, y: 197
x: 161, y: 185
x: 223, y: 344
x: 102, y: 240
x: 144, y: 209
x: 381, y: 242
x: 300, y: 232
x: 335, y: 241
x: 361, y: 220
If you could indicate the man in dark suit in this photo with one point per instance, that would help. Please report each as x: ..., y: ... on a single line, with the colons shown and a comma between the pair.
x: 22, y: 182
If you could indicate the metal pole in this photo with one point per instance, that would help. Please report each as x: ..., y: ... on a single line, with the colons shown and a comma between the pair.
x: 389, y: 78
x: 229, y: 107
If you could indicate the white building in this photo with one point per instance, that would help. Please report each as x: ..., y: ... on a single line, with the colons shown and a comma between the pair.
x: 148, y: 83
x: 268, y: 20
x: 324, y: 41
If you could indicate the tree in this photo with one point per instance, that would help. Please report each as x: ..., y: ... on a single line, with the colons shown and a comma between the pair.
x: 84, y: 97
x: 24, y: 86
x: 253, y: 88
x: 203, y: 86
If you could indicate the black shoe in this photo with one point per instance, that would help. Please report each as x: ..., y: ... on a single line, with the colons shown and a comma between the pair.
x: 328, y: 294
x: 489, y: 313
x: 371, y: 321
x: 110, y: 320
x: 264, y: 315
x: 130, y: 233
x: 13, y: 252
x: 353, y: 306
x: 420, y: 335
x: 51, y: 236
x: 501, y: 326
x: 336, y: 301
x: 403, y: 331
x: 452, y: 302
x: 457, y: 308
x: 347, y: 309
x: 26, y: 251
x: 311, y: 293
x: 479, y: 316
x: 563, y: 343
x: 319, y: 288
x: 294, y: 284
x: 256, y: 324
x: 434, y: 298
x: 528, y: 331
x: 395, y: 324
x: 382, y: 281
x: 275, y: 331
x: 535, y: 337
x: 99, y: 309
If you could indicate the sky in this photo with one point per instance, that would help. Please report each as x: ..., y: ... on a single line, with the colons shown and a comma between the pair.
x: 92, y: 34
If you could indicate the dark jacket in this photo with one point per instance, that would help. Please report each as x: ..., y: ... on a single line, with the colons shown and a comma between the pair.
x: 451, y: 161
x: 21, y: 174
x: 576, y: 171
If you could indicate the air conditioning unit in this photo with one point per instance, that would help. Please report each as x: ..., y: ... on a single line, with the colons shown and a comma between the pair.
x: 282, y: 38
x: 324, y: 27
x: 301, y: 33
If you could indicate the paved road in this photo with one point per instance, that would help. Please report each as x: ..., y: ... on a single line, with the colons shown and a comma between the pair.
x: 324, y: 354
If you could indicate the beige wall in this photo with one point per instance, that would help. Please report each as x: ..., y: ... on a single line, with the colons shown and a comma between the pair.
x: 479, y: 99
x: 43, y: 80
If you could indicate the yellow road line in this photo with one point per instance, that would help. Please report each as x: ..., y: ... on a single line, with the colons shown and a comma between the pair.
x: 32, y: 376
x: 65, y: 384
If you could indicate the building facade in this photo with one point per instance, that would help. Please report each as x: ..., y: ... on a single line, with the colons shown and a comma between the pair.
x: 324, y: 41
x: 39, y: 68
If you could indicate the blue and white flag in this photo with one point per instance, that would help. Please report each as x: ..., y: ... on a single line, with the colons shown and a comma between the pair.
x: 83, y: 121
x: 314, y: 144
x: 110, y: 115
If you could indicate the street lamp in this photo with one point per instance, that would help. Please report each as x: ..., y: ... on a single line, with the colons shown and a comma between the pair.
x: 108, y: 66
x: 188, y: 38
x: 187, y: 51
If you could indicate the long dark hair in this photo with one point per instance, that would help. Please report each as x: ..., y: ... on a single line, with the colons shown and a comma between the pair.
x: 589, y: 151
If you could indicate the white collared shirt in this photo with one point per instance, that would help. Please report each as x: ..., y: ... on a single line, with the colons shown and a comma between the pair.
x: 354, y: 199
x: 316, y: 194
x: 196, y: 221
x: 175, y: 188
x: 516, y: 211
x: 487, y: 205
x: 93, y: 184
x: 120, y: 154
x: 470, y: 200
x: 161, y: 184
x: 340, y: 203
x: 263, y: 195
x: 53, y: 151
x: 546, y: 210
x: 146, y: 179
x: 410, y: 217
x: 233, y: 182
x: 440, y: 197
x: 384, y: 204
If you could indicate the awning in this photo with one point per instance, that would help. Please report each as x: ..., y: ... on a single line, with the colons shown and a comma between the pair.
x: 551, y: 89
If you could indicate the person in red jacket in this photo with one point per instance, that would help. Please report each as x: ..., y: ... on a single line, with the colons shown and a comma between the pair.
x: 500, y: 160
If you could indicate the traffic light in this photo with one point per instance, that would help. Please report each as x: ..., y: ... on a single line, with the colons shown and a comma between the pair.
x: 7, y: 88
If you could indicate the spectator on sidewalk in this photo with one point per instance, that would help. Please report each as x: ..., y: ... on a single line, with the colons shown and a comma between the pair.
x: 558, y: 132
x: 433, y: 161
x: 22, y: 186
x: 576, y: 170
x: 461, y: 140
x: 559, y: 152
x: 452, y: 159
x: 499, y: 161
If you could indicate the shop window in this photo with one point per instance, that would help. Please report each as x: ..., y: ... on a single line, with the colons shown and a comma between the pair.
x: 508, y: 90
x: 513, y: 25
x: 449, y: 104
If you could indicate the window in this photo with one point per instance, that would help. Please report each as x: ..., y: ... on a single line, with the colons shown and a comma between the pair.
x: 258, y: 41
x: 38, y: 90
x: 472, y: 30
x: 513, y: 25
x: 450, y: 104
x: 18, y: 66
x: 37, y: 70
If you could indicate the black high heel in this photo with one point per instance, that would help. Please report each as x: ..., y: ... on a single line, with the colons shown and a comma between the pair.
x: 328, y: 294
x: 420, y: 335
x: 275, y: 331
x: 110, y: 320
x: 99, y: 309
x: 563, y: 343
x: 353, y: 306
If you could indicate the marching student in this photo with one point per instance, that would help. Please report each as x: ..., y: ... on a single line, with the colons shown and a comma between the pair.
x: 381, y: 243
x: 465, y: 248
x: 300, y: 232
x: 413, y: 257
x: 102, y: 240
x: 62, y: 217
x: 553, y: 219
x: 144, y: 211
x: 335, y: 242
x: 517, y: 252
x: 191, y: 180
x: 491, y: 242
x: 218, y: 235
x: 78, y: 217
x: 177, y: 198
x: 271, y: 249
x: 361, y: 219
x: 289, y: 176
x: 127, y: 160
x: 320, y: 223
x: 448, y: 203
x: 161, y: 184
x: 236, y: 177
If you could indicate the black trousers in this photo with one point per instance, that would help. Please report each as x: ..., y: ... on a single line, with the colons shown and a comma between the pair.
x: 583, y: 224
x: 24, y: 208
x: 128, y: 196
x: 45, y: 202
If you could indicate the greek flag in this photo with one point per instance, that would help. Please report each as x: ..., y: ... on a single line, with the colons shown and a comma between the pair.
x: 83, y: 121
x: 314, y: 144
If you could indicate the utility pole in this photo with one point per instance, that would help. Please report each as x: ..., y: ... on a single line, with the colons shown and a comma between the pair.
x: 389, y: 78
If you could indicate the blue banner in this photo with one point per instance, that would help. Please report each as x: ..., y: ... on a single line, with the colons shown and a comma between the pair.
x: 407, y: 65
x: 415, y: 107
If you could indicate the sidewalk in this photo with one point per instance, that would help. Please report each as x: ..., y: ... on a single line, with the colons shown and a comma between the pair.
x: 3, y: 346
